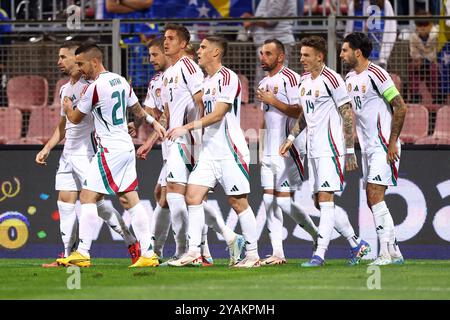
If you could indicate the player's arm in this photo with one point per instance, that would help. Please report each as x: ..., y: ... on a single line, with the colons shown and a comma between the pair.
x: 141, y: 116
x: 400, y: 109
x: 268, y: 97
x: 74, y: 115
x: 143, y: 150
x: 220, y: 109
x: 58, y: 135
x: 347, y: 116
x: 295, y: 131
x: 199, y: 101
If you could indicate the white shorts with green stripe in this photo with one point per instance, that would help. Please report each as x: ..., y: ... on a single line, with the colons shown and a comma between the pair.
x: 71, y: 172
x: 180, y: 162
x: 326, y: 173
x: 232, y: 175
x: 112, y: 172
x: 282, y: 174
x: 377, y: 170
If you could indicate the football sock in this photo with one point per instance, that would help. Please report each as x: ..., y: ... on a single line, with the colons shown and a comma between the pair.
x: 140, y: 222
x: 160, y: 228
x: 289, y: 207
x: 195, y: 230
x: 249, y: 227
x: 87, y: 227
x: 393, y: 248
x: 179, y: 220
x: 205, y: 247
x: 381, y: 217
x: 113, y: 218
x: 343, y: 226
x: 326, y: 227
x: 67, y: 225
x: 215, y: 221
x: 274, y: 224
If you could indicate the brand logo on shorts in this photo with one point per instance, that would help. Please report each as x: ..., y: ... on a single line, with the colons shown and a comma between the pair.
x: 325, y: 185
x: 170, y: 175
x: 377, y: 178
x: 285, y: 184
x: 234, y: 189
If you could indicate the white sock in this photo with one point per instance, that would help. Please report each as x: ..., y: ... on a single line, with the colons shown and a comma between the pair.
x: 67, y: 225
x: 326, y: 227
x: 160, y: 228
x: 113, y: 218
x: 289, y: 207
x: 393, y: 248
x: 205, y: 247
x: 179, y: 219
x: 248, y: 226
x: 141, y: 227
x: 381, y: 217
x: 196, y: 224
x: 343, y: 226
x: 215, y: 221
x: 86, y: 225
x: 274, y: 224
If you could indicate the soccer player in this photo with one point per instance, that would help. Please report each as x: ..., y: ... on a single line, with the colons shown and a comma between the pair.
x: 280, y: 176
x: 113, y: 170
x: 380, y: 113
x: 224, y: 155
x: 79, y: 148
x: 327, y: 111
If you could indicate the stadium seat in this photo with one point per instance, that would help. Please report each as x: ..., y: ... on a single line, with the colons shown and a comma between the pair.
x: 416, y: 124
x: 56, y: 99
x: 26, y: 92
x: 25, y: 141
x: 251, y: 120
x: 245, y: 90
x: 43, y: 122
x: 441, y: 134
x: 11, y: 127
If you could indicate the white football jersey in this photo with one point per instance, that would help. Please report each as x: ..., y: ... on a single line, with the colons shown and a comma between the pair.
x: 108, y: 98
x: 320, y: 98
x: 79, y: 137
x: 153, y: 100
x: 181, y: 82
x: 373, y: 112
x: 284, y: 85
x: 224, y: 139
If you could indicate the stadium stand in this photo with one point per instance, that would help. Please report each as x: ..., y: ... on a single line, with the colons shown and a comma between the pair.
x: 43, y: 122
x: 13, y: 120
x: 26, y: 92
x: 416, y: 124
x: 441, y: 133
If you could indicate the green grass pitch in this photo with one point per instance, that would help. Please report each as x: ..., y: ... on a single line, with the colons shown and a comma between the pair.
x: 111, y: 279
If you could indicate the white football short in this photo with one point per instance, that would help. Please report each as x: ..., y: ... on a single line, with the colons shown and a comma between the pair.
x: 282, y: 174
x: 71, y: 172
x: 162, y: 175
x: 180, y: 162
x: 233, y: 175
x: 377, y: 170
x: 112, y: 172
x: 326, y: 173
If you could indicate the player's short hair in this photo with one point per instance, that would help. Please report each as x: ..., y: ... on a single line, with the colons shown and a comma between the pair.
x: 316, y: 42
x: 156, y: 42
x: 220, y: 42
x: 359, y: 40
x: 90, y: 48
x: 190, y: 50
x: 182, y: 31
x: 71, y: 45
x: 277, y: 43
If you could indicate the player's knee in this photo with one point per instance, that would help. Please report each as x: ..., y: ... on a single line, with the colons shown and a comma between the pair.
x: 238, y: 205
x: 157, y: 192
x: 193, y: 199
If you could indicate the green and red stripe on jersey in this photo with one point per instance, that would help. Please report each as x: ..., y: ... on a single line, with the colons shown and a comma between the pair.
x: 385, y: 145
x: 336, y: 154
x: 236, y: 154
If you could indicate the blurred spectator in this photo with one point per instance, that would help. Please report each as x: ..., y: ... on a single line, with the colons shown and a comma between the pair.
x: 444, y: 53
x: 4, y: 41
x: 423, y: 45
x: 382, y: 33
x: 263, y: 30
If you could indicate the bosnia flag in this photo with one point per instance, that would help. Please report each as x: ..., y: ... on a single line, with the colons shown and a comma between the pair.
x: 200, y: 8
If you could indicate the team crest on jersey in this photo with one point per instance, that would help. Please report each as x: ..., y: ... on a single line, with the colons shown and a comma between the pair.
x: 176, y: 79
x: 349, y: 87
x: 363, y: 88
x: 275, y: 89
x: 213, y: 91
x: 316, y: 94
x: 158, y: 92
x: 165, y: 82
x: 302, y: 93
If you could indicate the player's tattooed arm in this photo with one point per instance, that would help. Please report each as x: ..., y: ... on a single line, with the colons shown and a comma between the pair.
x: 400, y: 109
x: 139, y: 114
x: 347, y: 116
